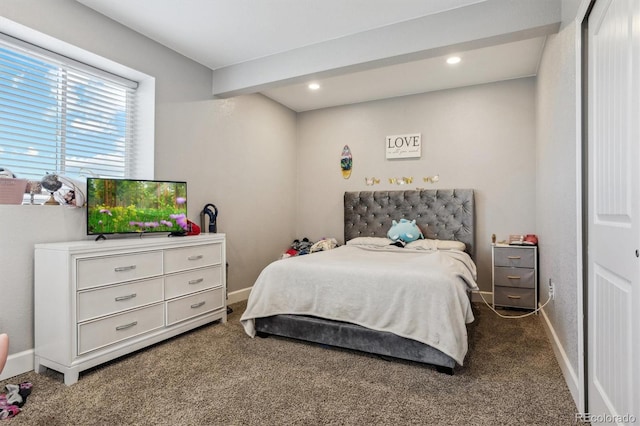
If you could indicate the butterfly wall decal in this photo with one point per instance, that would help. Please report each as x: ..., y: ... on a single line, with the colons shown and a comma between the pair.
x: 371, y: 181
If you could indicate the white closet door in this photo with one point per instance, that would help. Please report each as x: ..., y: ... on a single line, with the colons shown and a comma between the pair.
x: 614, y: 213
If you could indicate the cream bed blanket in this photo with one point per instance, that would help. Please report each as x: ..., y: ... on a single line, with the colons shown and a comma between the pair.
x: 417, y: 294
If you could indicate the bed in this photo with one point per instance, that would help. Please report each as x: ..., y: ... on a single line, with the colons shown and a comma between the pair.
x: 410, y: 303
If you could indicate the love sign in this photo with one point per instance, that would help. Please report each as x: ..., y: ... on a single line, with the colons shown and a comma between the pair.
x: 404, y: 146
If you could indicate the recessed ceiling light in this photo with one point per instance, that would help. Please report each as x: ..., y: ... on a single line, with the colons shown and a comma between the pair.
x: 453, y: 60
x: 314, y: 86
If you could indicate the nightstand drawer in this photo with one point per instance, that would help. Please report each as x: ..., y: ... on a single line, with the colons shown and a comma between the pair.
x: 514, y: 277
x: 514, y: 297
x: 514, y: 257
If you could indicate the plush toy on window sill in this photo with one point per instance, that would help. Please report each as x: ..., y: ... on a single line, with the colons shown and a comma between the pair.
x: 404, y: 231
x: 6, y: 173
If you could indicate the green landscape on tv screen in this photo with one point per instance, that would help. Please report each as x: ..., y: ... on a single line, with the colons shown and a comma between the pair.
x: 117, y: 206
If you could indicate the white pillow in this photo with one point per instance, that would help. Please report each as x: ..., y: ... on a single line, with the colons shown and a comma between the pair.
x: 369, y: 241
x: 428, y: 244
x: 425, y: 244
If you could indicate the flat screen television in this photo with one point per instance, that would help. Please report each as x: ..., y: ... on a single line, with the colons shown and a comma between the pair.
x: 123, y: 206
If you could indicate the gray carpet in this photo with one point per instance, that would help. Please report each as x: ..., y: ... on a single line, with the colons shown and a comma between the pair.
x: 217, y: 375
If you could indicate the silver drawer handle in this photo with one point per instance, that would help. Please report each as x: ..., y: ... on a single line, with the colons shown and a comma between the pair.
x: 198, y: 257
x: 198, y: 281
x: 125, y: 268
x: 197, y: 305
x: 514, y: 257
x: 124, y: 327
x: 513, y: 277
x: 127, y: 297
x: 514, y: 297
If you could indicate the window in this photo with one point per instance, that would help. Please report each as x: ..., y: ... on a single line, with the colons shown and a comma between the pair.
x: 61, y: 116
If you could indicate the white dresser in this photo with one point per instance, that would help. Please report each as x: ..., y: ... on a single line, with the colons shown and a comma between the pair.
x: 98, y: 300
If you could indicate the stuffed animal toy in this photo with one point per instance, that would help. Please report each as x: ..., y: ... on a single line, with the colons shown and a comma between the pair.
x: 298, y: 248
x: 324, y: 244
x: 6, y: 173
x: 304, y: 246
x: 405, y: 231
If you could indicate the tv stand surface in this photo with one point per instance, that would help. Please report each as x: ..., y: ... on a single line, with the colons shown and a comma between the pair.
x: 98, y: 300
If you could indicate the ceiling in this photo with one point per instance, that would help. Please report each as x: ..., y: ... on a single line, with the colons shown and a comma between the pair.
x: 357, y: 50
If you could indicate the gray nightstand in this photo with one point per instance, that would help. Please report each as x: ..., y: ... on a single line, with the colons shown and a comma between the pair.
x: 515, y: 276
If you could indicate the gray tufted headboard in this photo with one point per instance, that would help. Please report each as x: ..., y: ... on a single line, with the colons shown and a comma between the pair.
x: 444, y: 214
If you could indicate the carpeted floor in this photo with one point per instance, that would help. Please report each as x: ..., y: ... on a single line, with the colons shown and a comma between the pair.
x: 217, y: 375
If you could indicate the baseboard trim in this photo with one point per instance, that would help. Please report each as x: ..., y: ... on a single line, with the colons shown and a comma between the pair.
x: 19, y: 363
x: 238, y: 295
x: 570, y: 376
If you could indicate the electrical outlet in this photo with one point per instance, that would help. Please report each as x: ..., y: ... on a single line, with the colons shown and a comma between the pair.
x: 551, y: 292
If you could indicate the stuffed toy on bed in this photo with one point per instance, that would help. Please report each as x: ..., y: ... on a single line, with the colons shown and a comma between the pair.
x: 404, y: 231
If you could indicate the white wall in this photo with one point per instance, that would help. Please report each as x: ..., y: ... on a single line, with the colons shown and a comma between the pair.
x: 178, y: 78
x: 240, y: 155
x: 21, y: 227
x: 480, y: 137
x: 237, y: 154
x: 73, y: 23
x: 558, y: 191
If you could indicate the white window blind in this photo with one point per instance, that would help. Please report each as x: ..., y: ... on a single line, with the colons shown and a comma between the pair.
x: 60, y: 116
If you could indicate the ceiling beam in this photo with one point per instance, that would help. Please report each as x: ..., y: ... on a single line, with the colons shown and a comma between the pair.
x: 479, y: 25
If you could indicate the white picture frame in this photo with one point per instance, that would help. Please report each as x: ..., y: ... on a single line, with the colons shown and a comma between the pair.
x: 403, y: 146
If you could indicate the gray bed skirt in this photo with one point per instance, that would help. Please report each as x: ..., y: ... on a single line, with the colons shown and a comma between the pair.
x: 351, y: 336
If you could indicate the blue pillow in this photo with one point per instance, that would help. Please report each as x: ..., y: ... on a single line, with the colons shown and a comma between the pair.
x: 405, y: 231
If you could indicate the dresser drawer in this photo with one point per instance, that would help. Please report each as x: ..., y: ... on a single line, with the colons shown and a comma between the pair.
x: 117, y: 298
x: 514, y: 277
x: 184, y: 283
x: 181, y: 259
x: 194, y: 305
x: 514, y: 297
x: 116, y: 269
x: 514, y: 257
x: 96, y: 334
